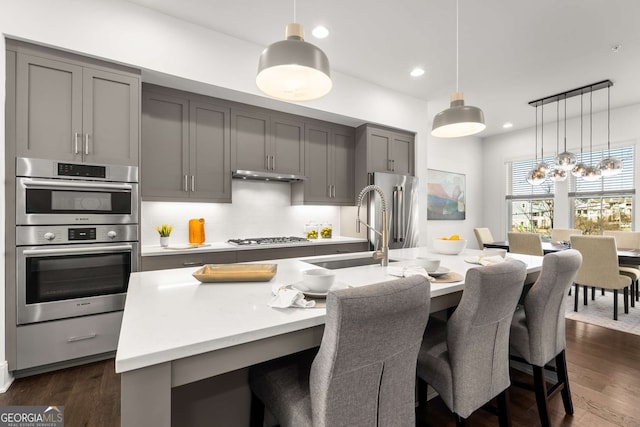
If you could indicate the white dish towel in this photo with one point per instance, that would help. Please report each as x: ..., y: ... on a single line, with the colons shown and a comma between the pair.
x: 406, y: 271
x: 284, y: 296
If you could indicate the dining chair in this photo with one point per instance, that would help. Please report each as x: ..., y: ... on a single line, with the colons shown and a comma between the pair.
x: 483, y: 235
x: 525, y: 243
x: 466, y: 358
x: 364, y: 371
x: 538, y: 328
x: 563, y: 234
x: 628, y: 240
x: 600, y: 269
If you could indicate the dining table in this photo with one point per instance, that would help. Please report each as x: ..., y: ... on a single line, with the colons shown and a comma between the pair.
x: 180, y: 336
x: 627, y: 256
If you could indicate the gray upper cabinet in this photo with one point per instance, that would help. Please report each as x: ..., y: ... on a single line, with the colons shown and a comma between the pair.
x: 185, y: 147
x: 66, y: 110
x: 266, y: 142
x: 386, y: 150
x: 329, y: 166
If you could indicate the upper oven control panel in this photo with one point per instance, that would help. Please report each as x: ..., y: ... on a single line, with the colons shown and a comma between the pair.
x: 65, y: 234
x: 44, y: 168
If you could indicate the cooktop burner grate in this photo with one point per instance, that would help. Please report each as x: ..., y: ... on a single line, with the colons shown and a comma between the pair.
x: 267, y: 240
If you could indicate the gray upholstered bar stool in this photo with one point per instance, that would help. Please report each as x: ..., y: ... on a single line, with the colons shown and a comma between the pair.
x: 538, y: 328
x: 364, y: 372
x: 466, y: 359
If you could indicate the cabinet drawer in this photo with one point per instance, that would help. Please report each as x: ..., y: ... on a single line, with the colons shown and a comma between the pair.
x: 164, y: 262
x: 342, y: 248
x: 58, y: 341
x: 275, y: 253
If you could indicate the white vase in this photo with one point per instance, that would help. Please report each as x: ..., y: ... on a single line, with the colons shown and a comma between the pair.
x: 164, y: 241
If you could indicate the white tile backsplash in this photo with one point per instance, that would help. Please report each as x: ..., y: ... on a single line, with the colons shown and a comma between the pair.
x: 259, y: 209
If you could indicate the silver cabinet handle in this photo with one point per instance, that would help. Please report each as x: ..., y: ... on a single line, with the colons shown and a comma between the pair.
x: 86, y: 143
x: 75, y: 142
x: 193, y: 264
x: 393, y: 165
x: 267, y: 159
x: 389, y: 165
x: 82, y: 337
x: 333, y: 192
x: 273, y: 163
x: 186, y: 185
x: 193, y: 183
x: 329, y: 190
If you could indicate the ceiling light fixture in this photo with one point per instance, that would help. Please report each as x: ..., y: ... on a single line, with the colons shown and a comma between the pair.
x: 417, y: 72
x: 565, y: 160
x: 458, y: 120
x: 535, y: 175
x: 292, y: 69
x: 558, y: 174
x: 580, y: 167
x: 591, y: 173
x: 609, y: 166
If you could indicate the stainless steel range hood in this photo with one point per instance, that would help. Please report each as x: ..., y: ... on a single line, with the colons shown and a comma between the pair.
x: 266, y: 176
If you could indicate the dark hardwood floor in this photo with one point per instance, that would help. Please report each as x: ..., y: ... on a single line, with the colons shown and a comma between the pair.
x: 604, y: 374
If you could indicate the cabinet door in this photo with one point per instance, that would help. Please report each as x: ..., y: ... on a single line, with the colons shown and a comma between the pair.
x: 250, y: 141
x: 210, y: 155
x: 343, y: 160
x: 287, y: 146
x: 402, y: 148
x: 378, y: 143
x: 48, y: 108
x: 110, y: 117
x: 165, y: 147
x: 318, y: 149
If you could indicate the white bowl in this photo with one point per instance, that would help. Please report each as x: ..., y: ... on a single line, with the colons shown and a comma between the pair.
x: 449, y: 247
x: 430, y: 264
x: 317, y: 280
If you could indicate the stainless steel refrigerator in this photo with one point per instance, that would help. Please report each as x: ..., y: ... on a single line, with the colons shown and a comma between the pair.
x: 401, y: 194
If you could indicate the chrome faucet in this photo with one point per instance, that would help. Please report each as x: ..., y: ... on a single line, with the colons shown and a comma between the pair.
x: 383, y: 252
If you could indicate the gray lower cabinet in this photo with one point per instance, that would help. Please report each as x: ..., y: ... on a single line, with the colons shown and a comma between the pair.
x: 381, y: 149
x: 164, y: 262
x: 42, y: 344
x: 71, y: 111
x: 329, y: 166
x: 266, y: 142
x: 186, y: 151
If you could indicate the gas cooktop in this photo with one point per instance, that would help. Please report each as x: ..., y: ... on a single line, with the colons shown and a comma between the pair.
x: 267, y: 240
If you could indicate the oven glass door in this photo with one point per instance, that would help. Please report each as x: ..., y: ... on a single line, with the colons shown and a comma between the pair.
x: 51, y: 201
x: 56, y: 283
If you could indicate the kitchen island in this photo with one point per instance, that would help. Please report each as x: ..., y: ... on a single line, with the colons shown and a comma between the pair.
x: 177, y: 331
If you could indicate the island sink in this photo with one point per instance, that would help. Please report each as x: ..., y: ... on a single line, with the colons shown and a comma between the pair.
x: 346, y: 263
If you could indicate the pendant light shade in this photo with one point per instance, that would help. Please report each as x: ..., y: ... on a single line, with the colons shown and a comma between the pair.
x: 538, y: 174
x: 580, y: 168
x: 458, y: 120
x: 557, y: 174
x: 609, y: 166
x: 294, y: 70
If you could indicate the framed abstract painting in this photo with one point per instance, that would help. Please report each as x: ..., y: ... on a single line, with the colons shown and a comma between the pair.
x: 445, y: 195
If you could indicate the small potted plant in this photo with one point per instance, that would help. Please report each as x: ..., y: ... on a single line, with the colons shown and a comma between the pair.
x: 165, y: 231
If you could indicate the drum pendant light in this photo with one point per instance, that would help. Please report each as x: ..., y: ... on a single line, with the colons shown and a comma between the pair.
x: 610, y: 166
x: 292, y: 69
x: 458, y: 120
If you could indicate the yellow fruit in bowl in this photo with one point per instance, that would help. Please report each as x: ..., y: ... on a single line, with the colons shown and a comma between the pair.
x: 444, y: 238
x: 454, y: 237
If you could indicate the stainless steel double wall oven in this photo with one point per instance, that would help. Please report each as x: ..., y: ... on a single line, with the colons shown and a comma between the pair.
x: 76, y: 238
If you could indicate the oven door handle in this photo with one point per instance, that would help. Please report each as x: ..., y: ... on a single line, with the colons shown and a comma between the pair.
x: 34, y: 183
x: 80, y: 251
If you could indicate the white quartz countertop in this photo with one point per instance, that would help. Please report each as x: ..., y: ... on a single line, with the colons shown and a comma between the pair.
x: 170, y: 315
x: 178, y: 247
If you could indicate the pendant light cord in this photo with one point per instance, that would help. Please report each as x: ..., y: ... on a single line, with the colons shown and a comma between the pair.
x: 536, y: 153
x: 609, y: 121
x: 542, y: 133
x: 557, y: 128
x: 591, y: 127
x: 565, y: 123
x: 457, y: 45
x: 581, y: 126
x: 294, y: 11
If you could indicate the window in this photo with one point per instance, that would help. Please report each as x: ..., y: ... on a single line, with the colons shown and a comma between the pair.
x: 606, y: 204
x: 530, y: 207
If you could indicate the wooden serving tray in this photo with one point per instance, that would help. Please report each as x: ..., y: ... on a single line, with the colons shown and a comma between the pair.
x: 236, y: 273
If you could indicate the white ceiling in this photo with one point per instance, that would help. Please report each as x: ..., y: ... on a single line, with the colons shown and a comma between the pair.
x: 510, y: 51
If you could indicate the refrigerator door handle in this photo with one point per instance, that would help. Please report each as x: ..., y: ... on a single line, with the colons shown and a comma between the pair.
x: 394, y: 214
x: 400, y: 217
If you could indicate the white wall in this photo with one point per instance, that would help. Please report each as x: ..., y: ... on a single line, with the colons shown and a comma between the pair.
x: 498, y: 150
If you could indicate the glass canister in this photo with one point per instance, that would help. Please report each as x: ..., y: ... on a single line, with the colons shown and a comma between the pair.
x: 196, y: 231
x: 311, y: 231
x: 326, y: 230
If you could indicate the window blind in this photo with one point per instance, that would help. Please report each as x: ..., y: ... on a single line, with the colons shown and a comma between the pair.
x: 619, y: 184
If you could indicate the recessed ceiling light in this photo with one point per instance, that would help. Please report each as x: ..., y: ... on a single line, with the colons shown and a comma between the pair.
x: 507, y: 125
x: 320, y: 32
x: 417, y: 72
x: 616, y: 48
